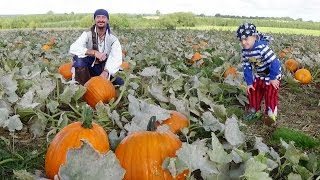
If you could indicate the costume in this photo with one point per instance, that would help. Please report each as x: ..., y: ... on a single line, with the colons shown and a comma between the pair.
x: 260, y: 65
x: 86, y: 66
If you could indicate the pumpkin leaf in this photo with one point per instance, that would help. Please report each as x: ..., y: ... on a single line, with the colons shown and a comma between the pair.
x: 13, y: 123
x: 142, y: 112
x: 195, y: 157
x: 4, y: 115
x: 174, y: 165
x: 232, y: 132
x: 156, y: 91
x: 53, y: 106
x: 255, y: 170
x: 293, y: 176
x: 87, y: 163
x: 260, y: 146
x: 27, y: 100
x: 38, y: 126
x: 150, y: 71
x: 292, y: 154
x: 217, y: 154
x: 210, y: 123
x: 114, y: 139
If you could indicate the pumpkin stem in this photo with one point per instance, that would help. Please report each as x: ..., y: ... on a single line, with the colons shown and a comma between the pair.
x: 87, y: 116
x: 152, y: 124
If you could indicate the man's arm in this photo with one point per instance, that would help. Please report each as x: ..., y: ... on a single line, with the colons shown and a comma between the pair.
x: 114, y: 60
x: 79, y: 47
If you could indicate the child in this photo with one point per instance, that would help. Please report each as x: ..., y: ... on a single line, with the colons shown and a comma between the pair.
x: 262, y: 70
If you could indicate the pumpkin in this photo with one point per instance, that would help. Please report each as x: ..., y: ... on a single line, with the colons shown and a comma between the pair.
x: 292, y: 65
x: 45, y: 61
x: 46, y: 47
x: 176, y: 122
x: 283, y: 53
x: 196, y: 57
x: 125, y: 65
x: 303, y: 76
x: 142, y: 153
x: 69, y: 137
x: 230, y: 71
x: 99, y: 89
x: 65, y: 70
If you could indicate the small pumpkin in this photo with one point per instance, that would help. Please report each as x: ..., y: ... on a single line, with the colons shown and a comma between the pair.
x: 283, y: 53
x: 176, y: 122
x: 69, y: 137
x: 142, y: 153
x: 46, y: 47
x: 65, y: 70
x: 125, y: 65
x: 292, y: 65
x: 99, y: 89
x: 303, y: 76
x: 196, y: 57
x: 230, y: 71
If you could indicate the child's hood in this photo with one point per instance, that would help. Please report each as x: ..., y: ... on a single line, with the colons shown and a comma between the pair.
x: 260, y: 42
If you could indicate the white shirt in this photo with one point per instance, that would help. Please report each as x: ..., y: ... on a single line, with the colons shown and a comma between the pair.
x: 110, y: 46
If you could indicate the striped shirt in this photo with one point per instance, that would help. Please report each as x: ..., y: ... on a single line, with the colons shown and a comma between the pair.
x: 260, y: 61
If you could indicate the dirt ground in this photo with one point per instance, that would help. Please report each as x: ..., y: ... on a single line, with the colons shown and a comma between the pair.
x: 299, y: 108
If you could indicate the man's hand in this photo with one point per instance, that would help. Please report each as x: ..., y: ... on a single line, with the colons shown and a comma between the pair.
x: 250, y: 87
x: 100, y: 56
x: 275, y: 83
x: 105, y: 74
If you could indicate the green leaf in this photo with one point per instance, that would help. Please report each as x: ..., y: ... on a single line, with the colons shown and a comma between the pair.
x: 27, y: 100
x: 292, y: 154
x: 232, y: 132
x: 86, y: 163
x: 195, y: 157
x: 156, y: 91
x: 293, y: 176
x: 304, y: 172
x: 13, y: 123
x: 210, y: 123
x: 4, y: 115
x: 174, y: 165
x: 217, y: 154
x: 255, y: 170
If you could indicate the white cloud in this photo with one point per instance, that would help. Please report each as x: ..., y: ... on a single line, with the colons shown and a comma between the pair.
x: 305, y: 9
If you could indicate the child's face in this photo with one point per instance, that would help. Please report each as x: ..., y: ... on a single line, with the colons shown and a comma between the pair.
x: 248, y: 42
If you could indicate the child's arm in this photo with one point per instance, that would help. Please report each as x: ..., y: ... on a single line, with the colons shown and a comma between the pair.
x: 275, y: 64
x: 247, y: 71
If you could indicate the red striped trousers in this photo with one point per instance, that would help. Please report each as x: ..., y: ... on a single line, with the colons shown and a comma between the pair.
x: 267, y: 91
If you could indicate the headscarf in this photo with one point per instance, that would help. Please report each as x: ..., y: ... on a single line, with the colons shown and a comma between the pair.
x: 249, y: 29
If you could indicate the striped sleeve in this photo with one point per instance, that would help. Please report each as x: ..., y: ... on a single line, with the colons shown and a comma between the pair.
x: 247, y: 70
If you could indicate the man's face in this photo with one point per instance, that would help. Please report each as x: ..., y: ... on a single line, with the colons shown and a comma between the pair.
x: 101, y: 21
x: 248, y: 42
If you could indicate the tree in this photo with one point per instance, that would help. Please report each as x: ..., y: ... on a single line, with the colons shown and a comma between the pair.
x: 158, y: 13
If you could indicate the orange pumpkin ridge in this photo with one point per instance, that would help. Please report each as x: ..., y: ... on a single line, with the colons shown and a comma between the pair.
x: 69, y: 137
x: 196, y: 57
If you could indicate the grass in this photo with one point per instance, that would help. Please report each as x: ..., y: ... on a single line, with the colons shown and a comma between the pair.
x: 262, y: 29
x: 301, y: 139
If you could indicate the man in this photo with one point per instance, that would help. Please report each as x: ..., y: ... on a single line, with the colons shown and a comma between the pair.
x: 97, y: 52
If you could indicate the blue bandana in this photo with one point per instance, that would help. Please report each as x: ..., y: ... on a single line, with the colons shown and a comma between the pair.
x: 101, y: 12
x: 104, y: 13
x: 249, y: 29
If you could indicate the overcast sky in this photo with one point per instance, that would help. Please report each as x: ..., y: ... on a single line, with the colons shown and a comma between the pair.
x: 305, y: 9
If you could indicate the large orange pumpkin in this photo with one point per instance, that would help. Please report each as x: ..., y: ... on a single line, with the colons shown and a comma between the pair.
x: 230, y: 71
x: 176, y: 122
x: 303, y: 76
x: 99, y: 89
x: 292, y: 65
x: 69, y: 137
x: 142, y: 153
x: 65, y: 70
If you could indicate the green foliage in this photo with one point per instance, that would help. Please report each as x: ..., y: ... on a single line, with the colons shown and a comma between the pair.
x: 172, y: 21
x: 119, y: 21
x: 301, y: 139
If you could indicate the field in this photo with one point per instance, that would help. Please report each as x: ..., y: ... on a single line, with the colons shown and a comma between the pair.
x: 36, y: 102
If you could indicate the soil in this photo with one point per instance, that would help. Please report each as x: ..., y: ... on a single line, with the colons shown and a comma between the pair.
x: 299, y: 108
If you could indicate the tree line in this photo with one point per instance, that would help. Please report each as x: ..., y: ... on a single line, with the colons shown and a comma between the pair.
x: 129, y: 21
